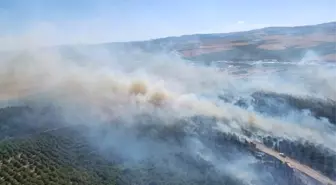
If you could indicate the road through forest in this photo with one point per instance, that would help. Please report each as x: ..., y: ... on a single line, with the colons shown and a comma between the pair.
x: 295, y: 165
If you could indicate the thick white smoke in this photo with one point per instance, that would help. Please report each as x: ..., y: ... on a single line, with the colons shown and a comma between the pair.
x: 149, y: 82
x: 101, y: 86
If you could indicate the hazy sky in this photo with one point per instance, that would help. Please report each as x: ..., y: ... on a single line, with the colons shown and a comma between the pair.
x: 91, y: 21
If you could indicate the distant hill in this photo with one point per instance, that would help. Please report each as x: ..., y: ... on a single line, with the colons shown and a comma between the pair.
x: 311, y: 42
x: 278, y: 43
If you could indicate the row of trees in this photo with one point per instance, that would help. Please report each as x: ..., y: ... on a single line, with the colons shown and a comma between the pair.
x: 317, y: 157
x: 48, y: 159
x: 64, y: 156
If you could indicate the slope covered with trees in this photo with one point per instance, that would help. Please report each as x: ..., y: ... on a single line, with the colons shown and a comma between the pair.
x: 67, y: 156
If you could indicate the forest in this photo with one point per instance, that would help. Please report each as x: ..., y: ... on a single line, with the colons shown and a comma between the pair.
x: 67, y: 156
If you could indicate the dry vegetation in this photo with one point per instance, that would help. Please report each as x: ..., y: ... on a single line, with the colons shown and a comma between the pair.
x: 212, y: 47
x: 278, y: 42
x: 330, y: 57
x: 271, y: 42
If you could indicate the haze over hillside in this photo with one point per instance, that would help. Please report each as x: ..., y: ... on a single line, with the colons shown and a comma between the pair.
x: 289, y: 44
x: 93, y: 92
x: 317, y: 42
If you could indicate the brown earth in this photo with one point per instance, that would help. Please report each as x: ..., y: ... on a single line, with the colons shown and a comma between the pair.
x: 330, y: 57
x: 212, y: 47
x: 278, y: 42
x: 272, y: 42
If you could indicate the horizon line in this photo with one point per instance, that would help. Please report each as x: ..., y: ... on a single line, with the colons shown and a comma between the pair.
x: 192, y: 34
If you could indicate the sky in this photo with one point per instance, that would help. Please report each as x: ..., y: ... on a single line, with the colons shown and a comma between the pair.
x: 95, y: 21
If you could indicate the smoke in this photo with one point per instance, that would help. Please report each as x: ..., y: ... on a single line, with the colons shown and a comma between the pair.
x: 114, y: 90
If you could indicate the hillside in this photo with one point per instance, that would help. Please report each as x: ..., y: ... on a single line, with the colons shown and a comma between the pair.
x: 66, y: 156
x: 273, y: 43
x: 290, y: 44
x: 111, y: 114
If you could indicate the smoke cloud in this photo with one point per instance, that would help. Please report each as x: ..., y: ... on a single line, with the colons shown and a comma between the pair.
x: 105, y: 88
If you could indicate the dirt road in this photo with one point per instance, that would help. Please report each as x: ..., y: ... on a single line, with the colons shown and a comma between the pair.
x: 296, y: 165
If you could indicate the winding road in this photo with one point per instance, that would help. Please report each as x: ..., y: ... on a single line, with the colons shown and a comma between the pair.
x: 295, y: 164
